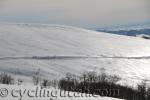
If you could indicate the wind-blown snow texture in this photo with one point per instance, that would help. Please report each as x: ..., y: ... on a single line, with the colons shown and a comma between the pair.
x: 28, y: 47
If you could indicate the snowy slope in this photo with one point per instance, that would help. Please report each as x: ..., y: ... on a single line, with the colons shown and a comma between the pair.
x: 79, y: 50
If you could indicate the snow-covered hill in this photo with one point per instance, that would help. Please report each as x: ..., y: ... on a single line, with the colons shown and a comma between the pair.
x: 57, y: 50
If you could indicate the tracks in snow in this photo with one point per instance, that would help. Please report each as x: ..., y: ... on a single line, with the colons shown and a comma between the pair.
x: 71, y: 57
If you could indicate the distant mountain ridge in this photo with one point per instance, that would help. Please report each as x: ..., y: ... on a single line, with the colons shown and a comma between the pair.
x: 133, y: 29
x: 132, y: 32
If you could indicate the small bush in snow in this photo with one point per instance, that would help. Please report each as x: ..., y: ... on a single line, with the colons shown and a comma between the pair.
x: 6, y: 79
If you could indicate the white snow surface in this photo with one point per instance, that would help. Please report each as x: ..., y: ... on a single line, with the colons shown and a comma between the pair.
x: 86, y: 50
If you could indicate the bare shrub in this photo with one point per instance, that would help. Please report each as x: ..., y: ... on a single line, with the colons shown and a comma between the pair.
x: 6, y: 79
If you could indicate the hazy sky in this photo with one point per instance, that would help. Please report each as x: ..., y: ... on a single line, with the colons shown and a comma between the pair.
x: 82, y: 13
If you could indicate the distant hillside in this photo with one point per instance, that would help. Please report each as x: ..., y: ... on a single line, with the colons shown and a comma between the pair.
x: 132, y: 32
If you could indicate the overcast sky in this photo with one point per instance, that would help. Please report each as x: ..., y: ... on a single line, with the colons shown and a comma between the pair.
x: 81, y: 13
